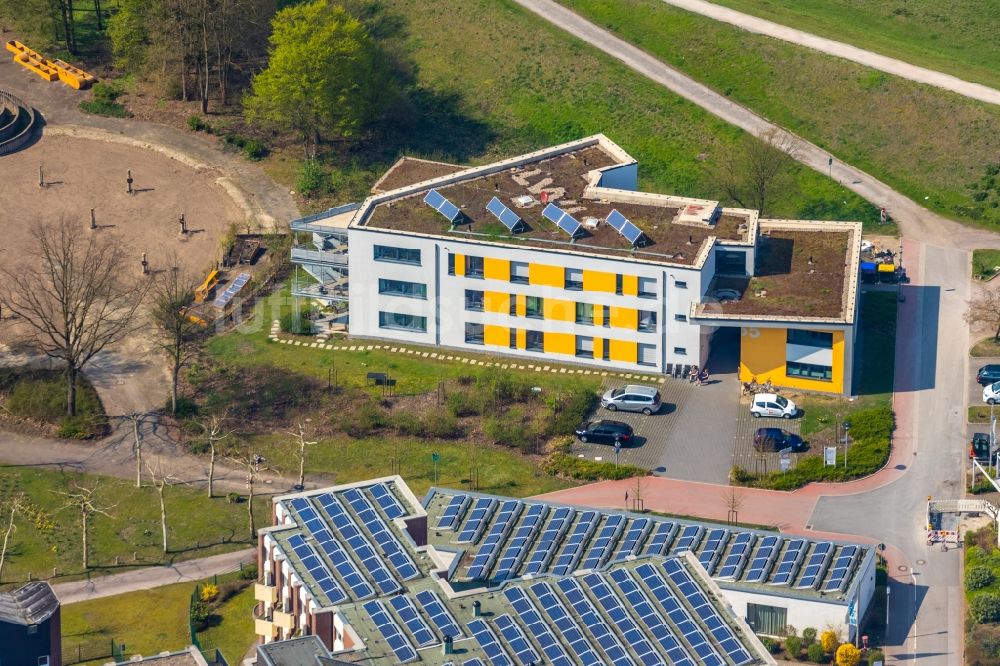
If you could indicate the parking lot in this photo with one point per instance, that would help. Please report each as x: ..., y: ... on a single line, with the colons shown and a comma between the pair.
x: 758, y: 462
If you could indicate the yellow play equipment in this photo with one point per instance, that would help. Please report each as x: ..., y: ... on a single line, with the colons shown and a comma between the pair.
x: 201, y: 293
x: 50, y: 70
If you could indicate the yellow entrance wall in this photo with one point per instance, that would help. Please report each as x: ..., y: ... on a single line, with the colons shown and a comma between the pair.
x: 496, y: 269
x: 762, y: 355
x: 560, y: 343
x: 497, y: 336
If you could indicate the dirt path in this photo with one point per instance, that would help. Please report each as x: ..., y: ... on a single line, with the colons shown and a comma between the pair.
x: 840, y: 49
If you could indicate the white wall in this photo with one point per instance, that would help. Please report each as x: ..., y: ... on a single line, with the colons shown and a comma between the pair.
x: 802, y: 613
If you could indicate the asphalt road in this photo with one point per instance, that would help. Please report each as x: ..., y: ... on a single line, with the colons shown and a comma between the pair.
x: 841, y: 50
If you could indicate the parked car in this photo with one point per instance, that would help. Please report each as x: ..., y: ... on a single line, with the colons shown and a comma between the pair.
x: 632, y: 398
x: 988, y: 374
x: 777, y: 439
x: 605, y: 432
x: 771, y: 404
x: 980, y: 447
x: 991, y: 393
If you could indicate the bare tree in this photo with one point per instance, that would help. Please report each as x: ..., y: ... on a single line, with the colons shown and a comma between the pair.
x: 984, y: 310
x: 172, y: 293
x: 301, y: 445
x: 73, y: 297
x: 82, y: 500
x: 750, y: 174
x: 137, y: 419
x: 161, y: 479
x: 733, y: 499
x: 253, y: 462
x: 636, y: 495
x: 14, y: 506
x: 214, y: 433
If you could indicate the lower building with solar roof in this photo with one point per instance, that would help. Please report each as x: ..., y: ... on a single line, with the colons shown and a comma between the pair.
x: 465, y: 578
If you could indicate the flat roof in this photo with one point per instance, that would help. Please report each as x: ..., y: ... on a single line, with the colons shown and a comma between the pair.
x: 410, y: 170
x: 32, y: 603
x: 675, y: 230
x: 805, y: 272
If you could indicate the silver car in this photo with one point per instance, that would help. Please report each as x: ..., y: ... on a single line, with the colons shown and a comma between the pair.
x: 632, y: 398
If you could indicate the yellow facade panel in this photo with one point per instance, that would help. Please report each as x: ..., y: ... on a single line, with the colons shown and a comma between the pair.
x: 560, y: 343
x: 520, y: 305
x: 623, y: 350
x: 630, y: 285
x: 599, y: 281
x: 496, y: 269
x: 497, y: 336
x: 496, y: 301
x: 557, y: 310
x: 522, y: 338
x: 598, y: 347
x: 459, y: 264
x: 598, y: 315
x: 763, y: 354
x: 546, y: 276
x: 627, y: 318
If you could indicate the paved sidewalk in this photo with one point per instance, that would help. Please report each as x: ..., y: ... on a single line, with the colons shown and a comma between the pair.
x: 840, y: 50
x: 150, y: 577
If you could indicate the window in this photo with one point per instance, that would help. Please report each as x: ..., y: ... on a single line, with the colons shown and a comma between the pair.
x: 647, y: 356
x: 823, y: 373
x: 451, y: 264
x: 44, y: 660
x: 533, y: 307
x: 513, y: 305
x: 473, y: 300
x: 473, y: 267
x: 680, y: 284
x: 767, y: 620
x: 680, y: 317
x: 519, y: 272
x: 618, y: 284
x: 32, y: 629
x: 585, y: 314
x: 584, y: 347
x: 402, y: 288
x: 534, y: 341
x: 728, y: 261
x: 647, y: 320
x: 513, y: 338
x: 681, y: 351
x: 474, y: 333
x: 574, y: 279
x: 398, y: 255
x: 647, y: 287
x: 606, y: 351
x: 810, y: 338
x: 403, y: 322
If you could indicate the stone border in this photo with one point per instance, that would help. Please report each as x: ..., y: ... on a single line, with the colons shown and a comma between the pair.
x: 276, y: 335
x: 15, y: 143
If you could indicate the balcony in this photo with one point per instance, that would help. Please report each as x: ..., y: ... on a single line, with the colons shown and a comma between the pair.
x: 262, y: 624
x: 284, y: 620
x: 334, y: 290
x: 336, y: 220
x: 266, y: 593
x: 308, y: 254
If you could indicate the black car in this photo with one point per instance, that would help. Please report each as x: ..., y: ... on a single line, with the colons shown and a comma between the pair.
x: 776, y: 439
x: 605, y: 432
x: 988, y: 374
x: 980, y: 447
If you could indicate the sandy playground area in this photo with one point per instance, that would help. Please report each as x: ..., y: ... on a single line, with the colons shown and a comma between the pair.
x: 81, y: 174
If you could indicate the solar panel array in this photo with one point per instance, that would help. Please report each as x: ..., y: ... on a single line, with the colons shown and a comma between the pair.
x: 562, y: 219
x: 222, y: 300
x: 391, y: 548
x: 572, y: 540
x: 317, y: 568
x: 607, y: 641
x: 359, y: 544
x: 439, y: 614
x: 629, y: 231
x: 490, y: 548
x: 387, y: 501
x: 450, y: 211
x: 510, y: 219
x: 394, y: 636
x: 454, y: 512
x: 332, y: 548
x: 516, y: 640
x: 488, y: 642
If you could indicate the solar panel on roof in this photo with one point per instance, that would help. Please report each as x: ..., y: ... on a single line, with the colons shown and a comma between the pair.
x: 715, y: 542
x: 562, y: 219
x: 510, y: 219
x: 394, y: 637
x: 517, y: 548
x: 438, y: 613
x: 378, y: 528
x: 569, y: 630
x: 689, y: 539
x: 590, y: 618
x: 407, y: 612
x: 546, y: 548
x: 358, y: 543
x: 476, y: 523
x: 387, y: 501
x: 332, y: 548
x: 601, y: 547
x: 622, y: 225
x: 317, y: 568
x: 532, y: 619
x: 573, y: 549
x: 763, y: 559
x: 223, y: 299
x: 516, y: 640
x: 435, y: 200
x: 615, y: 611
x: 452, y: 514
x: 788, y: 567
x: 489, y: 550
x: 816, y: 566
x: 739, y: 552
x: 488, y: 641
x: 632, y: 543
x: 639, y: 602
x: 661, y: 541
x: 842, y: 567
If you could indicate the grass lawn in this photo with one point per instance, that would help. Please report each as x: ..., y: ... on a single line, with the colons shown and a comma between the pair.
x: 148, y: 622
x: 979, y: 414
x: 879, y: 123
x: 496, y: 81
x: 960, y: 40
x: 985, y: 263
x: 48, y: 537
x: 987, y: 347
x: 40, y: 395
x: 233, y: 633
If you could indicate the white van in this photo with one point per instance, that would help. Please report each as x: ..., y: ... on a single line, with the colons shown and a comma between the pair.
x: 770, y: 404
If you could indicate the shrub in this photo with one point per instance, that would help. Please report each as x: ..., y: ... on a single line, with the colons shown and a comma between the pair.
x: 311, y: 180
x: 828, y: 641
x: 186, y: 407
x: 74, y: 427
x: 739, y: 475
x: 569, y: 410
x: 209, y: 591
x: 808, y: 637
x: 815, y: 653
x: 201, y: 614
x: 464, y: 403
x: 297, y: 323
x: 983, y: 486
x: 104, y: 102
x: 848, y: 655
x: 875, y: 656
x: 249, y: 572
x: 198, y: 124
x: 976, y: 578
x: 581, y: 469
x: 407, y: 423
x: 793, y: 645
x: 254, y: 150
x: 441, y: 424
x: 363, y: 421
x: 770, y: 644
x: 234, y: 498
x: 512, y: 430
x: 985, y: 607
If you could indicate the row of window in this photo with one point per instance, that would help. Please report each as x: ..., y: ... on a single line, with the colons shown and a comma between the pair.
x: 534, y: 308
x: 475, y: 334
x: 823, y: 373
x: 818, y: 339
